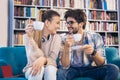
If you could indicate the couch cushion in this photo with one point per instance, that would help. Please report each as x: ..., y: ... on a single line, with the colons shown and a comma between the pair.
x: 83, y: 79
x: 14, y: 56
x: 13, y: 79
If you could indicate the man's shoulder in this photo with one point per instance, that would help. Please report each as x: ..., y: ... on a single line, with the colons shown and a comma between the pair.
x: 92, y: 33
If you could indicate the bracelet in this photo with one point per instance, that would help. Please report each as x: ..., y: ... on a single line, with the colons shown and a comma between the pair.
x: 94, y: 53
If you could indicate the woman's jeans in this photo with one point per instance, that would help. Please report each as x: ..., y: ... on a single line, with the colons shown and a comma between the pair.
x: 105, y: 72
x: 49, y: 73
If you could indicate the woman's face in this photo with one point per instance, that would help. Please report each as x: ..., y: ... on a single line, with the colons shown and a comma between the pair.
x: 54, y: 25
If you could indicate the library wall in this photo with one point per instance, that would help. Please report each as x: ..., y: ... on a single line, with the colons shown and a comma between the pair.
x: 3, y: 22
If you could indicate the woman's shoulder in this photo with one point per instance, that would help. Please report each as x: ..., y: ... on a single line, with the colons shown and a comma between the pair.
x: 57, y: 36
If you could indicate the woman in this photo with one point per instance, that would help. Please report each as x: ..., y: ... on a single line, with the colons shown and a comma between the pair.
x: 42, y: 48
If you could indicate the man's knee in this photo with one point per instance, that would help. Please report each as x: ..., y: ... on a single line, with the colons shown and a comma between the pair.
x: 113, y: 68
x: 61, y: 74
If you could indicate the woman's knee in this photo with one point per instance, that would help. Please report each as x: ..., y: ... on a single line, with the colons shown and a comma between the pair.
x: 50, y: 68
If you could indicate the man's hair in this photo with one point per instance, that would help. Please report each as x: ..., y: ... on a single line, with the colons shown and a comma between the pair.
x: 47, y: 15
x: 78, y: 15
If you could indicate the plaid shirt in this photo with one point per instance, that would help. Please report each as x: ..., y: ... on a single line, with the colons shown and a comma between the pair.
x: 78, y: 58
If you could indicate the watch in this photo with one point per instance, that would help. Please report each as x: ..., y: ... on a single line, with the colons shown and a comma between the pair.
x: 94, y: 53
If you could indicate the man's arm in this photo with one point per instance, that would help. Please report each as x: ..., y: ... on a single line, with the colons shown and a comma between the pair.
x: 65, y: 57
x: 99, y: 60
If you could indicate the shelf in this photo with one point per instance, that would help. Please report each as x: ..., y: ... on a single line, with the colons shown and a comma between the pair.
x: 93, y: 20
x: 102, y: 10
x: 21, y: 5
x: 112, y: 45
x: 23, y: 17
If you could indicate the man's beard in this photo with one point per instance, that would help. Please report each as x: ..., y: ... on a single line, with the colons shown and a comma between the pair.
x: 72, y: 30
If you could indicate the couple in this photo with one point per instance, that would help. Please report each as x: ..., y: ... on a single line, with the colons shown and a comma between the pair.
x: 43, y: 47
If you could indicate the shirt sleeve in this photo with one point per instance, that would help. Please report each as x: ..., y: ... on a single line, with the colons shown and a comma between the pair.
x: 99, y: 45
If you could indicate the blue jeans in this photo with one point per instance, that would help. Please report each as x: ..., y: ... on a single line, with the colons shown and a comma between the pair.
x: 105, y: 72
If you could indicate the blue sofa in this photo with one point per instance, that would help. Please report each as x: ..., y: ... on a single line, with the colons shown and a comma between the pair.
x: 16, y: 58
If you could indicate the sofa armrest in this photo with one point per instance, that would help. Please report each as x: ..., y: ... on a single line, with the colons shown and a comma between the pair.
x: 3, y: 62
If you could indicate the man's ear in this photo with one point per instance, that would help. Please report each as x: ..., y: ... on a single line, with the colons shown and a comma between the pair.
x: 81, y: 25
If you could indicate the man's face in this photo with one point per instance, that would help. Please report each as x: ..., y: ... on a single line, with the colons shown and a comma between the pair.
x: 54, y: 24
x: 72, y: 25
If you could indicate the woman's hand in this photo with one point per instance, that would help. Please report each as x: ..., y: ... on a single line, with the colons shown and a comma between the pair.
x: 37, y: 65
x: 29, y: 30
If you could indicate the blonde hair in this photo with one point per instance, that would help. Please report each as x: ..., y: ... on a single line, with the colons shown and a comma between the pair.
x: 37, y: 35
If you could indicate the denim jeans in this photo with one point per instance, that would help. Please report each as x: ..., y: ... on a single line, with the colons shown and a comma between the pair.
x: 49, y: 73
x: 105, y: 72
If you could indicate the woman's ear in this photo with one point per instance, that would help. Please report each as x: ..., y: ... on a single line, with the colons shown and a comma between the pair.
x: 47, y: 23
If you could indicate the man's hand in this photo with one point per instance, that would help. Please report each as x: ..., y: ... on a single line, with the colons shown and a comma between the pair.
x: 88, y: 49
x: 37, y: 66
x: 69, y: 41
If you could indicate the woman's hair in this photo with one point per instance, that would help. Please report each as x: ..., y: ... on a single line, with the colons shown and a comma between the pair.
x: 43, y: 15
x: 78, y: 15
x: 47, y: 15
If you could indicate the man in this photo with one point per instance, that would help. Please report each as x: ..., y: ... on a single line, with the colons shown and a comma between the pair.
x: 41, y: 48
x: 87, y: 60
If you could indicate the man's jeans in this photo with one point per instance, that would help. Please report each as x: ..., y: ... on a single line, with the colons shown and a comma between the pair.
x: 105, y: 72
x: 49, y: 73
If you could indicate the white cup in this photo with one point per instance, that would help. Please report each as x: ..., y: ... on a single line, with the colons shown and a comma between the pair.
x: 38, y: 25
x: 77, y: 37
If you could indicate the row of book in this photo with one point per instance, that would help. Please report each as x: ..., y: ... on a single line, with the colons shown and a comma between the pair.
x: 92, y: 26
x: 101, y: 15
x: 111, y: 40
x: 102, y: 4
x: 103, y: 26
x: 63, y: 26
x: 108, y: 40
x: 97, y: 4
x: 24, y: 11
x: 33, y: 2
x: 20, y: 23
x: 18, y: 38
x: 69, y: 3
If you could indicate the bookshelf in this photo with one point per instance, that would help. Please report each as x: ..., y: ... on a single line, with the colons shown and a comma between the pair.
x: 102, y: 17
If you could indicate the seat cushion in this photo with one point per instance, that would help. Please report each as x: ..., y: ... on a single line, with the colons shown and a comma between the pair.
x: 13, y: 79
x: 83, y: 79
